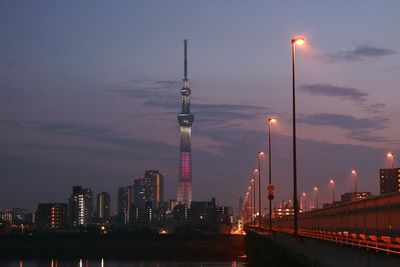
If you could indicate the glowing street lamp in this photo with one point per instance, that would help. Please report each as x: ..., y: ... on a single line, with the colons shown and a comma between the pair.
x: 270, y: 121
x: 354, y: 173
x: 332, y: 182
x: 316, y: 196
x: 294, y: 42
x: 390, y: 157
x: 260, y: 154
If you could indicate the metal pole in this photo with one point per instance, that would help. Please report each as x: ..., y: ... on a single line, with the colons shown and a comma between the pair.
x: 356, y: 183
x: 254, y: 198
x: 259, y: 189
x: 251, y: 208
x: 295, y: 206
x: 270, y: 171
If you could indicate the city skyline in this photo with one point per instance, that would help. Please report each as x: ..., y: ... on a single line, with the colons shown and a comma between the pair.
x: 89, y: 95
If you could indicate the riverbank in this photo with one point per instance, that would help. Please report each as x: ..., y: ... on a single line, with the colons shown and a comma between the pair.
x: 146, y: 246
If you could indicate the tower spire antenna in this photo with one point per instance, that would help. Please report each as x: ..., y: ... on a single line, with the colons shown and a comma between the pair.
x: 185, y: 62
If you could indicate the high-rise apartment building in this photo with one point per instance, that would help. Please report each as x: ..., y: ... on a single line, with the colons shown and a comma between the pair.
x: 240, y: 206
x: 103, y: 206
x: 139, y: 193
x: 6, y: 216
x: 185, y: 119
x: 80, y: 206
x: 154, y: 187
x: 52, y: 216
x: 124, y: 205
x: 389, y: 180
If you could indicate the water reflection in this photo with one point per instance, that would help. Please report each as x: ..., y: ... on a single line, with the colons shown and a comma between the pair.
x: 54, y: 263
x: 101, y: 262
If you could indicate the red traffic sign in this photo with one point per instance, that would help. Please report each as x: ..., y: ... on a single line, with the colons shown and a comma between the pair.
x: 271, y: 188
x: 270, y: 196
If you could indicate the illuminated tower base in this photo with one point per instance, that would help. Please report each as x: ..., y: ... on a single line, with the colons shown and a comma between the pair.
x: 185, y: 168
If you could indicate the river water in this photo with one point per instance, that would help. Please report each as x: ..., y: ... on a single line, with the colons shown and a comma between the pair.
x: 104, y: 262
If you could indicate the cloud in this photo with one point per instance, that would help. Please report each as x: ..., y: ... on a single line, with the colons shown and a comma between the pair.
x: 223, y: 114
x: 62, y: 128
x: 165, y: 94
x: 8, y: 63
x: 361, y: 52
x: 344, y: 121
x: 347, y: 93
x: 161, y: 90
x: 124, y: 145
x: 375, y: 107
x: 357, y: 129
x: 366, y: 136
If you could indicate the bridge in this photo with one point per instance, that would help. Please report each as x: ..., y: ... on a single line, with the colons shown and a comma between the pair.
x: 360, y: 233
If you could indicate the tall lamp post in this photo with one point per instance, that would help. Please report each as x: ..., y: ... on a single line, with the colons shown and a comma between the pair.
x: 270, y: 121
x: 295, y: 41
x: 254, y: 194
x: 251, y: 200
x: 390, y: 156
x: 249, y: 192
x: 260, y: 154
x: 354, y: 173
x: 316, y: 196
x: 245, y: 207
x: 332, y: 182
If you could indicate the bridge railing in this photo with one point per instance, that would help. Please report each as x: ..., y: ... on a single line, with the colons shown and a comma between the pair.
x: 376, y: 216
x: 372, y: 223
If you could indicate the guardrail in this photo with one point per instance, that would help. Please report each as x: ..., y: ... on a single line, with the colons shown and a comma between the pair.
x: 387, y: 244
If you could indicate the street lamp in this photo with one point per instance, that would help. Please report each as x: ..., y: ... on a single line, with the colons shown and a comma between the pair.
x: 254, y: 193
x: 332, y: 182
x: 390, y: 156
x: 316, y: 196
x: 246, y: 202
x: 270, y: 121
x: 249, y: 192
x: 354, y: 173
x: 295, y: 41
x: 251, y: 201
x: 260, y: 154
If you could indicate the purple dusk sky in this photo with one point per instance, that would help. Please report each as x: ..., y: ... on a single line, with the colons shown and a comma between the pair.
x: 89, y: 93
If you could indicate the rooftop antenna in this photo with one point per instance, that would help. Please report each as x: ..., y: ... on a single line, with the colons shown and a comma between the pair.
x: 185, y: 42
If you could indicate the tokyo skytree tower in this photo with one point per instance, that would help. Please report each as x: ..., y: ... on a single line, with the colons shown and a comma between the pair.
x: 185, y: 119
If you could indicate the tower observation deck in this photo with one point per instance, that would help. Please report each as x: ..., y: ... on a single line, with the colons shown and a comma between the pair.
x: 185, y: 119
